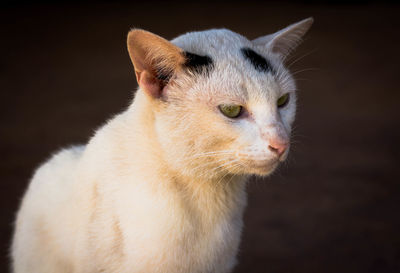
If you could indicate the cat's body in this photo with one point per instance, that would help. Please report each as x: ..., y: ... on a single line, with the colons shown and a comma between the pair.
x: 88, y: 224
x: 155, y: 190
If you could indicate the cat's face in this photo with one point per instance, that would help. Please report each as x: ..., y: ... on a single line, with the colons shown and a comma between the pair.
x: 229, y: 109
x: 228, y: 115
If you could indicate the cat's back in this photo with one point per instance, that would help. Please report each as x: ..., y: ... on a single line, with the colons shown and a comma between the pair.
x: 43, y: 206
x: 51, y: 184
x: 56, y: 173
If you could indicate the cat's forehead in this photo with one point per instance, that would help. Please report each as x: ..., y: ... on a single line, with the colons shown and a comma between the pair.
x: 228, y: 51
x: 237, y: 65
x: 215, y: 42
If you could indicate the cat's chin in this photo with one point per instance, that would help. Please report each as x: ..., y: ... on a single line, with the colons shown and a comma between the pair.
x: 264, y: 168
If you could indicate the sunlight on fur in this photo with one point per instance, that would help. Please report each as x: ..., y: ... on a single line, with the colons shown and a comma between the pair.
x: 161, y: 186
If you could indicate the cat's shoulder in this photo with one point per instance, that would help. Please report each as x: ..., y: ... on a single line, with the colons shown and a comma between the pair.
x: 61, y: 161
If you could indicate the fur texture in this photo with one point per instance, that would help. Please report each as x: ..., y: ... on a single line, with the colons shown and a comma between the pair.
x: 161, y: 186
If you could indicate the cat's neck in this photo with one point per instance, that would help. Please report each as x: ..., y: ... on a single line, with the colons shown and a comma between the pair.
x: 226, y: 189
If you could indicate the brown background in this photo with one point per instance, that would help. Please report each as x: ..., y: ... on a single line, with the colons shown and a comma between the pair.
x: 333, y: 208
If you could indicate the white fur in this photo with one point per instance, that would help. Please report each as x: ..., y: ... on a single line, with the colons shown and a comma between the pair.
x: 146, y: 194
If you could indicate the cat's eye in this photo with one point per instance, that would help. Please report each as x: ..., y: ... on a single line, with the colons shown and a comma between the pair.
x: 230, y: 110
x: 283, y: 100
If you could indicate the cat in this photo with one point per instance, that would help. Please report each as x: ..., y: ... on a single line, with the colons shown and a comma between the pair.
x: 161, y: 186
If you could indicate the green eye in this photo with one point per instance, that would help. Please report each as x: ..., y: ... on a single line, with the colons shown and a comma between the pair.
x: 282, y: 101
x: 230, y: 110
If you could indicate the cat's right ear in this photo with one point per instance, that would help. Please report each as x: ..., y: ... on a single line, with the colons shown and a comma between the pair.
x: 286, y: 40
x: 155, y: 60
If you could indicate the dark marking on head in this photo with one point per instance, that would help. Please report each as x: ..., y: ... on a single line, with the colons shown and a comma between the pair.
x: 259, y: 62
x: 193, y: 62
x: 197, y: 63
x: 163, y: 76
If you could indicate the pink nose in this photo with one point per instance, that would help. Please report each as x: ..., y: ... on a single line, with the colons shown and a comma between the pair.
x: 277, y: 147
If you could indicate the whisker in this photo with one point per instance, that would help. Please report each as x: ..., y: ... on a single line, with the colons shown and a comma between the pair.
x: 217, y: 171
x: 306, y: 69
x: 223, y: 165
x: 301, y: 57
x: 208, y: 163
x: 234, y: 166
x: 213, y: 153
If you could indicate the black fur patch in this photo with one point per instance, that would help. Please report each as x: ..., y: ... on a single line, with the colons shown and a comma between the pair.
x: 259, y: 62
x: 163, y: 76
x: 197, y: 63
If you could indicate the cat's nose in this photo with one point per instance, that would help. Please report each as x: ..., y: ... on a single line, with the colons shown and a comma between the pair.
x: 277, y: 146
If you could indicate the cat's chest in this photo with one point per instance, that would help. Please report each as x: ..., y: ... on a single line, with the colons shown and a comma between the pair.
x: 182, y: 240
x: 194, y: 247
x: 167, y: 230
x: 213, y: 249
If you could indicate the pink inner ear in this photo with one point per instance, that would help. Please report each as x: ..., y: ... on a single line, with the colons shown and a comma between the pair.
x: 149, y: 83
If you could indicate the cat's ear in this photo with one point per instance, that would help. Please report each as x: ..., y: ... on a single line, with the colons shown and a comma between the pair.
x: 155, y: 60
x: 285, y: 40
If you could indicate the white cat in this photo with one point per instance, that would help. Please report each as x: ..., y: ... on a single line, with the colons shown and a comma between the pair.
x: 161, y: 186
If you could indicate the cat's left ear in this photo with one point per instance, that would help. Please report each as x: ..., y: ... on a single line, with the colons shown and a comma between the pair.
x: 155, y: 60
x: 285, y: 40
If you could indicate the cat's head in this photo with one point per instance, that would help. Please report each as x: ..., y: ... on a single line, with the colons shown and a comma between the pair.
x: 221, y: 103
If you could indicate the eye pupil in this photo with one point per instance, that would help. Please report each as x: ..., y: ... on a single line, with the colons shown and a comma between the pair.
x: 283, y: 100
x: 230, y: 110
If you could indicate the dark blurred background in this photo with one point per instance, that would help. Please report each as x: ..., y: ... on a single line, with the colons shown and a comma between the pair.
x: 334, y: 207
